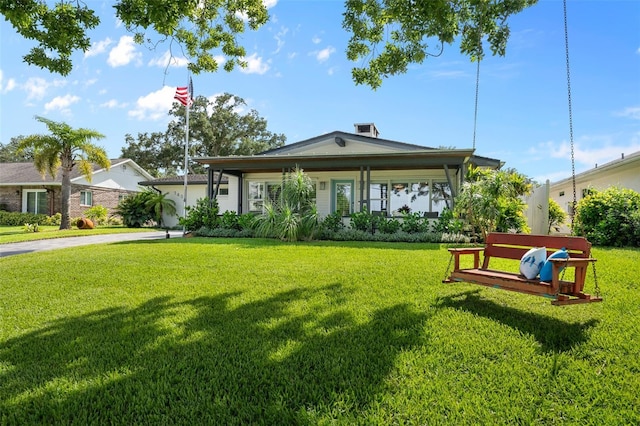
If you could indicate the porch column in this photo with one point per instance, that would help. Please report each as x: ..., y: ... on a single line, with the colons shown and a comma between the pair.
x: 361, y: 188
x: 369, y: 189
x: 209, y: 184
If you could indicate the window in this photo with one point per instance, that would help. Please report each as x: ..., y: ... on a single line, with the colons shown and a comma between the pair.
x: 561, y: 194
x: 35, y: 201
x: 223, y: 191
x: 256, y: 196
x: 379, y: 195
x: 86, y: 198
x: 441, y: 197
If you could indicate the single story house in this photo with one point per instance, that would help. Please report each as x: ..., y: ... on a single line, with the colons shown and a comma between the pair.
x: 351, y: 172
x: 623, y: 172
x: 24, y: 189
x: 173, y: 188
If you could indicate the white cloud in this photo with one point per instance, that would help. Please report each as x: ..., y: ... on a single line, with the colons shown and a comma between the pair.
x: 98, y: 47
x: 155, y: 105
x: 596, y: 149
x: 280, y: 38
x: 8, y: 86
x: 316, y: 40
x: 36, y: 88
x: 324, y: 54
x: 168, y: 60
x: 269, y: 3
x: 124, y: 53
x: 112, y: 103
x: 255, y: 65
x: 61, y: 103
x: 630, y: 112
x: 331, y: 71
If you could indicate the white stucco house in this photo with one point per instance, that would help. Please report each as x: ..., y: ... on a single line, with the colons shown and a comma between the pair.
x: 173, y: 187
x: 623, y: 172
x: 351, y: 172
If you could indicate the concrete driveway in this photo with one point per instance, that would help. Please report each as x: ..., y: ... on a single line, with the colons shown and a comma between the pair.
x: 56, y: 243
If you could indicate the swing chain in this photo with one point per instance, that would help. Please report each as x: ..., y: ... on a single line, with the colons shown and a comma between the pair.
x: 595, y: 278
x: 446, y: 273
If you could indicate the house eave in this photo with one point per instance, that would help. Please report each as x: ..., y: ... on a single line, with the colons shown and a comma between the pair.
x: 424, y: 159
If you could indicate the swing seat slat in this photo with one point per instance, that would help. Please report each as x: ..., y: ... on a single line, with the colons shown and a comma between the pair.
x: 514, y: 246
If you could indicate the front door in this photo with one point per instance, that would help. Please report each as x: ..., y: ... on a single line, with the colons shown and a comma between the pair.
x: 342, y: 192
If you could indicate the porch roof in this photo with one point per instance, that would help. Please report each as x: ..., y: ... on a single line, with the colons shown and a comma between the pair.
x: 405, y: 160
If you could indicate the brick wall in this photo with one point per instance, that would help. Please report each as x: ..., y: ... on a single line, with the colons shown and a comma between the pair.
x: 106, y: 197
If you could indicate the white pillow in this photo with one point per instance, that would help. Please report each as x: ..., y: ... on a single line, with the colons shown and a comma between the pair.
x: 532, y: 262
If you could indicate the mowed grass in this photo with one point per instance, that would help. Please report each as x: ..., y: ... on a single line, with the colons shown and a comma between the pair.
x: 215, y: 331
x: 17, y: 234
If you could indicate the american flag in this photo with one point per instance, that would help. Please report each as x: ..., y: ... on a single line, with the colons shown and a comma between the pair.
x: 184, y: 95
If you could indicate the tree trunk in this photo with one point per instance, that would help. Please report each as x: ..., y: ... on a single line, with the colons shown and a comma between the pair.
x: 65, y: 223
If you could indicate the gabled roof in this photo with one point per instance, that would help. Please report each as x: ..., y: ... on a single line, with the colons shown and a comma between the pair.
x: 26, y: 173
x: 337, y: 135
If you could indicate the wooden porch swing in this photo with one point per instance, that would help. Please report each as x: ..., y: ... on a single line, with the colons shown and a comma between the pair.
x: 561, y: 291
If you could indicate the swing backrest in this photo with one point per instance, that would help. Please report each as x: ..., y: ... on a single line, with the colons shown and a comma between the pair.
x: 514, y: 246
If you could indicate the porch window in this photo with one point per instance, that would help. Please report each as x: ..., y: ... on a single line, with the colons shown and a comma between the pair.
x: 379, y: 197
x: 399, y: 198
x: 441, y: 197
x: 256, y: 196
x: 86, y: 198
x: 35, y: 201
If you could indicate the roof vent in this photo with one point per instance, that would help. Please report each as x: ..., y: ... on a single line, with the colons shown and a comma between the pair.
x: 366, y: 129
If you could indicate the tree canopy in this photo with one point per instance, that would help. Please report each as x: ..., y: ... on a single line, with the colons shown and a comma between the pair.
x: 218, y: 127
x: 11, y: 152
x: 389, y: 35
x: 65, y: 148
x: 199, y: 28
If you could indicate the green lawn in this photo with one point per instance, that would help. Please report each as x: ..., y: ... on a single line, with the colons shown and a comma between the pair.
x: 251, y: 331
x: 16, y: 234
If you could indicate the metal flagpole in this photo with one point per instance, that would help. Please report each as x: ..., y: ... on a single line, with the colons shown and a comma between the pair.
x: 186, y: 152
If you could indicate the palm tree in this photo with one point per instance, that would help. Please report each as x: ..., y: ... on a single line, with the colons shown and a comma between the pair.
x: 158, y: 203
x: 63, y: 149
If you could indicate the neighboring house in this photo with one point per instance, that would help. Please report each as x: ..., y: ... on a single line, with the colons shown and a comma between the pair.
x: 623, y: 172
x: 173, y: 187
x: 351, y: 172
x: 24, y: 189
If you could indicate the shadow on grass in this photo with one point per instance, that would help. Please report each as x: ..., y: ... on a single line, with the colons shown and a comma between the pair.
x: 207, y: 360
x: 554, y: 335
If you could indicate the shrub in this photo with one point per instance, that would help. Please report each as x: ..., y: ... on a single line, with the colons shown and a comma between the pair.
x: 31, y: 227
x: 134, y: 211
x: 97, y: 214
x: 447, y: 223
x: 332, y: 222
x: 202, y: 215
x: 557, y: 216
x: 292, y: 215
x: 609, y: 217
x: 361, y: 221
x: 19, y: 219
x: 387, y: 226
x: 229, y: 220
x: 246, y: 221
x: 413, y: 223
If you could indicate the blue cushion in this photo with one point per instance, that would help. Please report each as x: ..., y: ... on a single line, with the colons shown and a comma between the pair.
x: 546, y: 271
x: 532, y: 262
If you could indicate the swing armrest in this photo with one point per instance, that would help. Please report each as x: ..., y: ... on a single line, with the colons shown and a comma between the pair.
x: 456, y: 252
x: 572, y: 261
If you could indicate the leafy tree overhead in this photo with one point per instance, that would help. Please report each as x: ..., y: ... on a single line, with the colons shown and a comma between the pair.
x: 11, y: 153
x: 157, y: 153
x: 392, y: 34
x: 65, y: 148
x: 200, y: 28
x: 219, y: 128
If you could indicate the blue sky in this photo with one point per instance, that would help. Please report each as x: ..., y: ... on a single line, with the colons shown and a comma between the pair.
x: 299, y: 80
